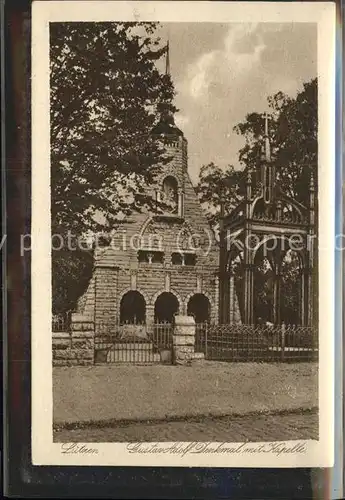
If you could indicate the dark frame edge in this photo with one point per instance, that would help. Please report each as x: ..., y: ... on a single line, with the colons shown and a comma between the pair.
x: 21, y: 478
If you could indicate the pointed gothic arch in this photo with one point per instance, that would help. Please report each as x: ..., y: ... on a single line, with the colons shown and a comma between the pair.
x: 267, y: 214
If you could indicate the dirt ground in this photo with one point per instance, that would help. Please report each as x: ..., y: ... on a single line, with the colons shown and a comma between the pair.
x: 111, y: 393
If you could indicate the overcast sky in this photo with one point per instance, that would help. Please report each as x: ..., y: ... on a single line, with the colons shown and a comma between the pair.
x: 224, y: 71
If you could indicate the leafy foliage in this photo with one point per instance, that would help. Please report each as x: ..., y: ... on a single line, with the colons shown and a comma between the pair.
x: 293, y: 129
x: 105, y: 94
x: 289, y: 293
x: 71, y: 273
x: 105, y: 90
x: 215, y: 185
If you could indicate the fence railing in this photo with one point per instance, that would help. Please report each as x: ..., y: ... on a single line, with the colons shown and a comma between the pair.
x: 161, y: 335
x: 61, y: 322
x: 150, y: 343
x: 257, y: 343
x: 133, y: 343
x: 201, y: 330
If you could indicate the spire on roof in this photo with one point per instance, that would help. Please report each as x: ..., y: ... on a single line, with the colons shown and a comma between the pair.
x: 166, y: 124
x: 267, y: 140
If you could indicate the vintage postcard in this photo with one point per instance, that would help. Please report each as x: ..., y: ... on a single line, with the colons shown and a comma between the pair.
x: 182, y: 233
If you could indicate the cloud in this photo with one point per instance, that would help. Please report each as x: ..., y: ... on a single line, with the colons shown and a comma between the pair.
x: 219, y: 83
x: 198, y: 75
x: 242, y: 51
x: 242, y: 48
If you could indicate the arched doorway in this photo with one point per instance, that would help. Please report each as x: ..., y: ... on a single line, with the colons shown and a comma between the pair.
x: 170, y: 194
x: 263, y: 298
x: 132, y: 308
x: 292, y: 289
x: 233, y: 287
x: 166, y: 306
x: 279, y: 284
x: 199, y: 306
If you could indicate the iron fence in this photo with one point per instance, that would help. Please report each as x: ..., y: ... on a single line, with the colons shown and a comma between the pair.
x: 144, y: 343
x: 201, y: 337
x: 61, y: 322
x: 138, y: 343
x: 257, y: 343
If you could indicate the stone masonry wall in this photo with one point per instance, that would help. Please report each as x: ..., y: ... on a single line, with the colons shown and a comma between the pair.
x: 118, y: 271
x: 77, y: 346
x: 151, y: 280
x: 106, y: 294
x: 184, y: 341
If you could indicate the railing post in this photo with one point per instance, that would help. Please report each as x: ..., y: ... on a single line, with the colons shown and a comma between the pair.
x: 283, y: 341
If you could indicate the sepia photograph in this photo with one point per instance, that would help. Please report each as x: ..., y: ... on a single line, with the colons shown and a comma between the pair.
x: 184, y: 252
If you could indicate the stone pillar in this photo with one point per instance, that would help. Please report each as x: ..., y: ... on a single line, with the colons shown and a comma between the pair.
x: 248, y: 294
x: 83, y: 339
x: 106, y: 278
x: 184, y: 341
x: 76, y: 347
x: 150, y: 313
x: 235, y: 315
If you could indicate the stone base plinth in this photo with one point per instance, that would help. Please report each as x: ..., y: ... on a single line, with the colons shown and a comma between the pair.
x: 75, y: 347
x: 184, y: 341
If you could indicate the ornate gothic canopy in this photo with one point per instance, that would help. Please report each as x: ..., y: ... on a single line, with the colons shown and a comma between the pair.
x: 268, y: 225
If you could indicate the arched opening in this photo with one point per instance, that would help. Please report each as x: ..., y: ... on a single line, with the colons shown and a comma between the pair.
x: 236, y: 273
x: 279, y: 284
x: 263, y: 298
x: 170, y: 194
x: 132, y: 308
x: 199, y: 306
x: 166, y: 306
x: 290, y: 212
x: 262, y: 208
x: 291, y: 289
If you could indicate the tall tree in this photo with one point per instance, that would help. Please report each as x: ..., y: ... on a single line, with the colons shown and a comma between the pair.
x: 105, y: 94
x: 216, y: 185
x: 293, y: 132
x: 293, y: 135
x: 105, y: 91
